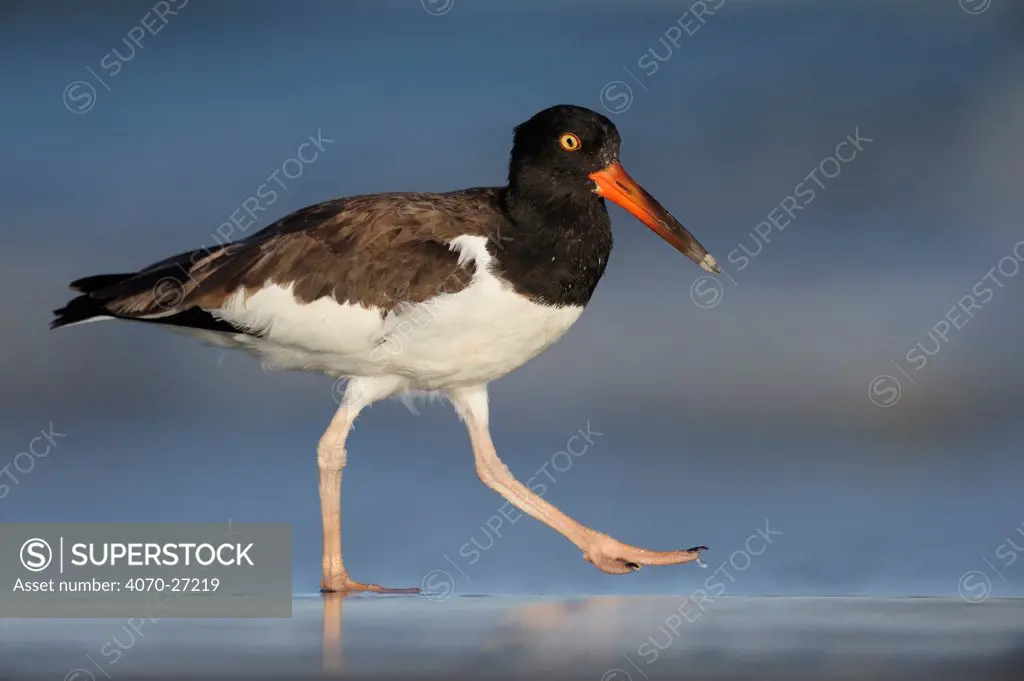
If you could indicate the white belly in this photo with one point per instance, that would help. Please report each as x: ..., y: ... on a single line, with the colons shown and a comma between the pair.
x: 476, y: 335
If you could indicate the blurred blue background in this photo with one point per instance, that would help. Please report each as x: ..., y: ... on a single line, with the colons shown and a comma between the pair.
x: 721, y: 405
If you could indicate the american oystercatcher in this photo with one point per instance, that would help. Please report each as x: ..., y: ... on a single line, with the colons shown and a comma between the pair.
x: 416, y: 292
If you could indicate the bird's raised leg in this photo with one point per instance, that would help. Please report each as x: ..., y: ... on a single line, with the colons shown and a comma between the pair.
x: 331, y: 459
x: 605, y: 553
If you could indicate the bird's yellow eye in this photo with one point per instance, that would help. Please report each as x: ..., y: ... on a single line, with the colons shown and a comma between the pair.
x: 569, y: 141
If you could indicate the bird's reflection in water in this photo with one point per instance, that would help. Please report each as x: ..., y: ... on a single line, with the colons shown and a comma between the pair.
x: 331, y: 657
x: 618, y: 636
x: 558, y: 634
x: 533, y: 633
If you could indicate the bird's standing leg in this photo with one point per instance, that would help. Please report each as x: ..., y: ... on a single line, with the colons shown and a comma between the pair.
x: 604, y: 552
x: 331, y: 459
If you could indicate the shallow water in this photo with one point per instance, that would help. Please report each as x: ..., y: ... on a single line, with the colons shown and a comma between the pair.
x: 609, y: 638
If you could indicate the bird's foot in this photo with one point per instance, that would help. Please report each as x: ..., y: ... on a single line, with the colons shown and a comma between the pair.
x: 616, y: 558
x: 343, y: 584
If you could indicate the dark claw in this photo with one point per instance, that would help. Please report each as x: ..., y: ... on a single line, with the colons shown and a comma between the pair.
x: 699, y: 548
x: 632, y: 566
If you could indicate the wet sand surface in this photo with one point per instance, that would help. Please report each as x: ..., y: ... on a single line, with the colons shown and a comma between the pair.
x: 600, y: 638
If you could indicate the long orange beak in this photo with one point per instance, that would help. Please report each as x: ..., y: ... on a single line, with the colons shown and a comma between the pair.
x: 615, y: 184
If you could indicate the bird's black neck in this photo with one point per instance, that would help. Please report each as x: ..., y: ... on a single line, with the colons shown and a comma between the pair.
x: 558, y: 243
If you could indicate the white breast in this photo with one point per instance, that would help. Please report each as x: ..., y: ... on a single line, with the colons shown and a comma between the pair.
x: 476, y: 335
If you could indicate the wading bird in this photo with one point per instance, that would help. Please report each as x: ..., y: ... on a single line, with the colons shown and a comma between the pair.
x: 470, y: 284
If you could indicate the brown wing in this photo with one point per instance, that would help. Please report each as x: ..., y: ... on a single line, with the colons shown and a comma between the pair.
x: 379, y: 250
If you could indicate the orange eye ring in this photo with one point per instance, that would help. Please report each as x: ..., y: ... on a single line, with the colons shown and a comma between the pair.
x: 570, y: 141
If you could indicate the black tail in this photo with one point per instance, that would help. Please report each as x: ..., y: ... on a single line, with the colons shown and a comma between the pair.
x: 80, y: 309
x: 89, y: 305
x: 100, y: 290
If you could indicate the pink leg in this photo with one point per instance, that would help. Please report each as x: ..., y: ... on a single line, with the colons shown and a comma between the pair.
x: 605, y: 553
x: 331, y: 458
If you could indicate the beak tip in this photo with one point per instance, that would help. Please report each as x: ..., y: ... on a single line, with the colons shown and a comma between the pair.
x: 709, y: 264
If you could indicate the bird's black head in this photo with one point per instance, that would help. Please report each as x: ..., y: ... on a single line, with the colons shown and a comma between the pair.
x: 560, y: 147
x: 566, y: 159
